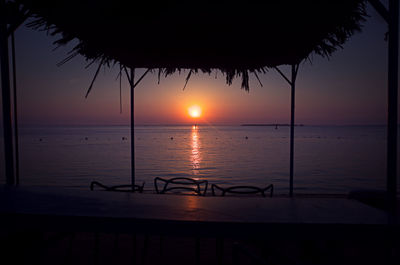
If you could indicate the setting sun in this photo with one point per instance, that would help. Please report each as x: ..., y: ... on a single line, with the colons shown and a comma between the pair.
x: 194, y: 111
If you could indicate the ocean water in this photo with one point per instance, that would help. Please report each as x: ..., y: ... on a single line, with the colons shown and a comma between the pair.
x: 327, y: 159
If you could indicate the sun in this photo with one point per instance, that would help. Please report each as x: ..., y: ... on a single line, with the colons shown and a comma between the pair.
x: 194, y: 111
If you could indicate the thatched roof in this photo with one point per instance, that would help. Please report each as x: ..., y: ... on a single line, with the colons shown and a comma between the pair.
x: 236, y: 37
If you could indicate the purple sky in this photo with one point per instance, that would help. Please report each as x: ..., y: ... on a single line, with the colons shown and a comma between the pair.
x: 349, y: 88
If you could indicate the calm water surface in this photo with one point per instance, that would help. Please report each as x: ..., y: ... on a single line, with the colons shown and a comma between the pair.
x: 327, y: 159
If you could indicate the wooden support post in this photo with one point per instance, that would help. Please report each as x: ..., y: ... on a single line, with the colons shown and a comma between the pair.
x: 292, y: 83
x: 14, y: 70
x: 132, y: 85
x: 293, y: 91
x: 392, y: 100
x: 6, y: 98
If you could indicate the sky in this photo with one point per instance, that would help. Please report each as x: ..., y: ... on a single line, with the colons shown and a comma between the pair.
x: 349, y: 88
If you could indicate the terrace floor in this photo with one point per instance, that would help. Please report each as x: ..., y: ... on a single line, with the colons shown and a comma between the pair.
x: 62, y: 226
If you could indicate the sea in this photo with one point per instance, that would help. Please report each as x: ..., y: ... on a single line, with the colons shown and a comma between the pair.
x: 327, y: 159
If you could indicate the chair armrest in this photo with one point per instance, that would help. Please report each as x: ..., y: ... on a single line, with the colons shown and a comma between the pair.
x: 156, y: 184
x: 138, y: 188
x: 94, y: 183
x: 271, y: 187
x: 242, y: 190
x: 214, y: 186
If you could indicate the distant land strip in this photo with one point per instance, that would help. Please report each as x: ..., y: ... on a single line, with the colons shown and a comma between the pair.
x: 270, y: 124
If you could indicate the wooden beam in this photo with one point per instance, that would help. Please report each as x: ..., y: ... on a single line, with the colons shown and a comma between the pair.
x: 283, y: 75
x: 14, y: 26
x: 380, y: 8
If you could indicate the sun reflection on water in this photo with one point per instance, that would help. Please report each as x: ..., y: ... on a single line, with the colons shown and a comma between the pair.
x: 195, y: 156
x: 191, y: 203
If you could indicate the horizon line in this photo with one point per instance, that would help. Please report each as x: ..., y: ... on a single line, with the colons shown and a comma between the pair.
x: 203, y: 124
